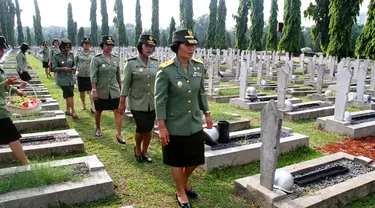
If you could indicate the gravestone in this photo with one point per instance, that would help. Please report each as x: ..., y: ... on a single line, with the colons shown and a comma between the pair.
x: 302, y: 61
x: 270, y: 138
x: 373, y: 77
x: 259, y: 75
x: 210, y: 79
x: 243, y: 78
x: 282, y: 82
x: 356, y: 68
x: 238, y: 65
x: 321, y: 59
x: 319, y: 84
x: 267, y: 65
x: 273, y: 60
x: 344, y: 79
x: 361, y: 83
x: 331, y: 65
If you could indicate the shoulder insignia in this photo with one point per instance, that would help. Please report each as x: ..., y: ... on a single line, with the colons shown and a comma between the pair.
x: 131, y: 59
x: 167, y: 63
x: 154, y: 59
x: 197, y: 60
x: 99, y: 54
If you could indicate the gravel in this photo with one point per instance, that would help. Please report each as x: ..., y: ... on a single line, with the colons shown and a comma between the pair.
x: 38, y: 140
x: 354, y: 171
x: 79, y: 169
x: 308, y: 107
x: 235, y: 142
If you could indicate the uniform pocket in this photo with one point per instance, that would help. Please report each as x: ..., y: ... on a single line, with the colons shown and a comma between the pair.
x: 136, y: 94
x: 173, y: 114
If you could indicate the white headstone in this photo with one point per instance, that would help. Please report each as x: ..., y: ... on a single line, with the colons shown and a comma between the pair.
x: 362, y: 72
x: 319, y: 84
x: 331, y: 66
x: 282, y: 82
x: 210, y: 79
x: 267, y: 65
x: 243, y: 79
x: 373, y: 77
x: 302, y: 61
x: 344, y: 79
x: 259, y: 75
x: 356, y: 68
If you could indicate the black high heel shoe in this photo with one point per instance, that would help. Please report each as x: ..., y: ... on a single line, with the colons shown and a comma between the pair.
x: 138, y: 158
x: 120, y: 140
x: 191, y: 193
x: 183, y: 205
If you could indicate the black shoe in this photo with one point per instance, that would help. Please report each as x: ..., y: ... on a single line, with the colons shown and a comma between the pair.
x: 191, y: 193
x: 75, y: 117
x: 68, y: 114
x: 138, y: 158
x: 92, y: 111
x: 147, y: 159
x: 121, y: 141
x: 183, y: 205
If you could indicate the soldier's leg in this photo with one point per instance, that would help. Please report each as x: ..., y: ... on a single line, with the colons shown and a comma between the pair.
x: 83, y: 100
x: 71, y: 105
x: 98, y: 115
x: 91, y: 101
x: 187, y: 172
x: 17, y: 149
x: 118, y: 118
x: 146, y: 142
x: 178, y: 178
x: 138, y: 142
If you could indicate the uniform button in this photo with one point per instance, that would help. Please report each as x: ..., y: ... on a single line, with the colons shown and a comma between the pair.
x: 109, y: 78
x: 148, y: 93
x: 189, y: 101
x: 148, y: 76
x: 188, y: 81
x: 109, y: 72
x: 189, y: 111
x: 109, y: 85
x: 148, y: 85
x: 189, y: 91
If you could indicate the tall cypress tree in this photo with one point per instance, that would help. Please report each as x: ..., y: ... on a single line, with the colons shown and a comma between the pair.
x: 28, y: 35
x: 342, y: 16
x: 221, y: 34
x: 3, y: 18
x: 272, y: 28
x: 80, y: 35
x: 138, y: 22
x: 163, y: 39
x: 182, y: 12
x: 211, y: 30
x: 10, y: 22
x: 20, y: 38
x: 119, y: 22
x: 189, y: 22
x: 257, y: 24
x: 241, y: 24
x: 365, y: 44
x: 155, y: 21
x: 172, y: 28
x: 103, y: 11
x: 94, y: 24
x: 319, y: 14
x: 38, y: 25
x: 290, y: 41
x: 72, y: 26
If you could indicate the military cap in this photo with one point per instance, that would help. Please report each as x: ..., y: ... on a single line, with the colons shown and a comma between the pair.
x: 184, y: 36
x: 65, y: 44
x: 85, y: 40
x: 56, y: 39
x: 3, y: 42
x: 45, y: 42
x: 148, y: 39
x: 107, y: 39
x: 24, y: 46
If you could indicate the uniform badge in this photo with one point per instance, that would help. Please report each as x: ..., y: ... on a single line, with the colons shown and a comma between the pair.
x: 179, y: 84
x: 141, y: 70
x: 62, y: 62
x: 103, y: 65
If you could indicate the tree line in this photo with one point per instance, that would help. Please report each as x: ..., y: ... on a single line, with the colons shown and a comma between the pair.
x: 333, y: 33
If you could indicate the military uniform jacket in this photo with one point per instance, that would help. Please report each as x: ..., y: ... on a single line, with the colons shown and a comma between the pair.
x: 139, y: 82
x: 45, y: 52
x: 63, y: 78
x: 106, y: 75
x: 180, y: 96
x: 4, y: 113
x: 82, y: 60
x: 53, y: 52
x: 21, y: 61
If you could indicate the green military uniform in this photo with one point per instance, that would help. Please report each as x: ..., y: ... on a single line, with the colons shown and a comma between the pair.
x: 63, y: 78
x: 21, y: 62
x: 82, y: 60
x: 45, y: 52
x: 180, y: 96
x: 4, y: 113
x: 53, y: 52
x: 139, y: 83
x: 106, y: 75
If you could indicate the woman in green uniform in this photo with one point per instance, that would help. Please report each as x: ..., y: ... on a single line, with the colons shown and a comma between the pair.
x: 106, y: 85
x: 21, y: 66
x: 179, y: 98
x: 82, y: 60
x: 54, y: 50
x: 10, y: 134
x: 45, y: 58
x: 64, y: 66
x: 138, y: 86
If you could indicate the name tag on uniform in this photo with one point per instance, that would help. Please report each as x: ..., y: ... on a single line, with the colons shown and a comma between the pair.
x: 152, y: 66
x: 177, y: 77
x: 138, y: 66
x: 197, y: 74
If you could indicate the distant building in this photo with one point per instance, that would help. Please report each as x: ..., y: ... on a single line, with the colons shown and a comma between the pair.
x: 361, y: 19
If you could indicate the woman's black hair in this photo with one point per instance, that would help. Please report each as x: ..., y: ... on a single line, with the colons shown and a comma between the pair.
x: 24, y: 48
x: 175, y: 46
x: 139, y: 47
x: 101, y: 45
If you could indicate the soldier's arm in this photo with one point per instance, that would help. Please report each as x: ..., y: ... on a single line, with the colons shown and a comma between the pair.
x: 118, y: 75
x: 19, y: 62
x: 161, y: 93
x: 126, y: 83
x: 94, y: 70
x: 202, y: 96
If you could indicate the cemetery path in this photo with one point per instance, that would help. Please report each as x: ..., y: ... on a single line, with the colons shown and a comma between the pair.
x: 357, y: 147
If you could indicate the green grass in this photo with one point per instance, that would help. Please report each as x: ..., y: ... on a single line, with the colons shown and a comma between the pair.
x: 37, y: 177
x: 151, y: 185
x: 230, y: 91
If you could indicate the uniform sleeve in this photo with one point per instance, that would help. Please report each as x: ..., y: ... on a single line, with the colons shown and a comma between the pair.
x: 126, y: 83
x: 202, y: 99
x: 50, y: 55
x: 161, y: 94
x: 118, y: 74
x: 75, y: 59
x: 40, y: 52
x: 74, y: 62
x: 19, y: 62
x: 94, y: 69
x: 55, y: 62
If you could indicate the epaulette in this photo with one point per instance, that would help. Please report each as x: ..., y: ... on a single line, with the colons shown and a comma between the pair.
x: 154, y: 59
x: 115, y: 55
x: 131, y: 59
x: 99, y: 54
x: 197, y: 60
x: 167, y: 63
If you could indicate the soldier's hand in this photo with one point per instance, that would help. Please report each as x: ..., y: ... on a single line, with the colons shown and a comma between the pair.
x: 164, y: 136
x: 121, y: 108
x: 94, y: 95
x: 20, y: 93
x: 12, y: 80
x: 23, y: 85
x: 209, y: 121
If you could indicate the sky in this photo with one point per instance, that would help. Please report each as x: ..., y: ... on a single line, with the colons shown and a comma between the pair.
x: 54, y: 12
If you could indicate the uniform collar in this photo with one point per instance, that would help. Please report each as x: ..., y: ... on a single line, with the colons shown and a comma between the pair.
x: 181, y: 70
x: 141, y: 61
